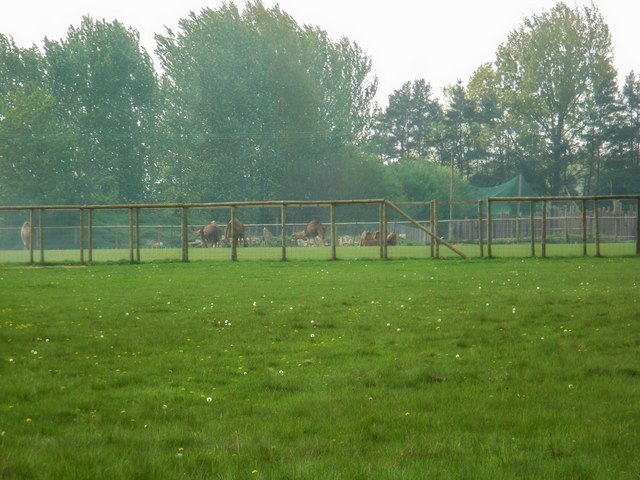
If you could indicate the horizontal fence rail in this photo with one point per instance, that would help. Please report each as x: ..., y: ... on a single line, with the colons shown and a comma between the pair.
x: 521, y: 226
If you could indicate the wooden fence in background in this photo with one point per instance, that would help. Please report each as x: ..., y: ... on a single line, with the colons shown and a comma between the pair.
x: 579, y: 205
x: 545, y: 219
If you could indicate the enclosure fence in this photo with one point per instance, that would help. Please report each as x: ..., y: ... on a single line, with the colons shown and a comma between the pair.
x: 351, y: 229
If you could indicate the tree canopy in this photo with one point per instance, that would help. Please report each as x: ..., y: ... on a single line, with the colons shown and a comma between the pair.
x: 250, y: 105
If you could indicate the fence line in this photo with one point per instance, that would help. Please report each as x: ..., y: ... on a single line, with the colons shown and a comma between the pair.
x: 495, y: 223
x: 548, y: 222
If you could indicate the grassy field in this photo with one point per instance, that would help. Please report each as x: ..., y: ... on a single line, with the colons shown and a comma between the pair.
x: 521, y: 250
x: 403, y: 369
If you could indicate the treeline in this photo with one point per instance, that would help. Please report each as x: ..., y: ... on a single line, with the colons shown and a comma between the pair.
x: 250, y: 105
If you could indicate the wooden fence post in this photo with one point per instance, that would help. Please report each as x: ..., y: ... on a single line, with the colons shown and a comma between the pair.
x: 234, y: 235
x: 532, y: 226
x: 383, y: 233
x: 90, y: 234
x: 41, y: 234
x: 31, y: 236
x: 131, y: 258
x: 434, y: 229
x: 432, y: 221
x: 543, y: 240
x: 584, y: 227
x: 597, y: 225
x: 638, y: 226
x: 381, y: 230
x: 81, y: 236
x: 184, y: 234
x: 489, y: 230
x: 137, y: 211
x: 332, y: 217
x: 480, y: 226
x: 283, y: 233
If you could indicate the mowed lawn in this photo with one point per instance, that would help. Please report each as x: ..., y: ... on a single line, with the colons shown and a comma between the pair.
x: 352, y: 369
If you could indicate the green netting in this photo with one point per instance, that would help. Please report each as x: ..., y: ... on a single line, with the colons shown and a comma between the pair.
x: 516, y: 187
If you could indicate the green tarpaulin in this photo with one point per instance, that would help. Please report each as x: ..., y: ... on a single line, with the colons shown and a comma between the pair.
x: 516, y: 187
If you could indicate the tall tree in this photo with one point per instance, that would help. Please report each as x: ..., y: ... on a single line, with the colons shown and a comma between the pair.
x: 459, y: 128
x: 105, y: 86
x: 491, y: 163
x: 619, y: 171
x: 631, y: 115
x: 18, y: 66
x: 408, y: 126
x: 259, y: 107
x: 551, y: 70
x: 34, y: 146
x: 36, y: 150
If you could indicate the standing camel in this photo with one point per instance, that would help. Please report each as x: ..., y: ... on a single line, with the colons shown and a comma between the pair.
x: 25, y: 234
x: 312, y: 231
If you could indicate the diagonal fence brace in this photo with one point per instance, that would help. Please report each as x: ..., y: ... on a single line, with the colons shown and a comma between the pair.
x: 426, y: 230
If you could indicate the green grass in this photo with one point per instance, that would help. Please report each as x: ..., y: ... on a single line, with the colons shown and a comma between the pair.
x: 315, y: 369
x: 521, y: 250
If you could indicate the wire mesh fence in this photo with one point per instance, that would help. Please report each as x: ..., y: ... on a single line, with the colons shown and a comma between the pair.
x: 362, y: 229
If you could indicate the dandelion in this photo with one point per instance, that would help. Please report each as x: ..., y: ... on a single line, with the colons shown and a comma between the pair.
x: 164, y: 407
x: 281, y: 372
x: 28, y: 420
x: 388, y: 324
x: 398, y: 330
x: 313, y: 335
x: 255, y: 304
x: 209, y: 399
x: 457, y: 355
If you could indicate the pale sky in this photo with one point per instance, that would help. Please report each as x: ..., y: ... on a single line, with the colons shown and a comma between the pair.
x: 441, y: 41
